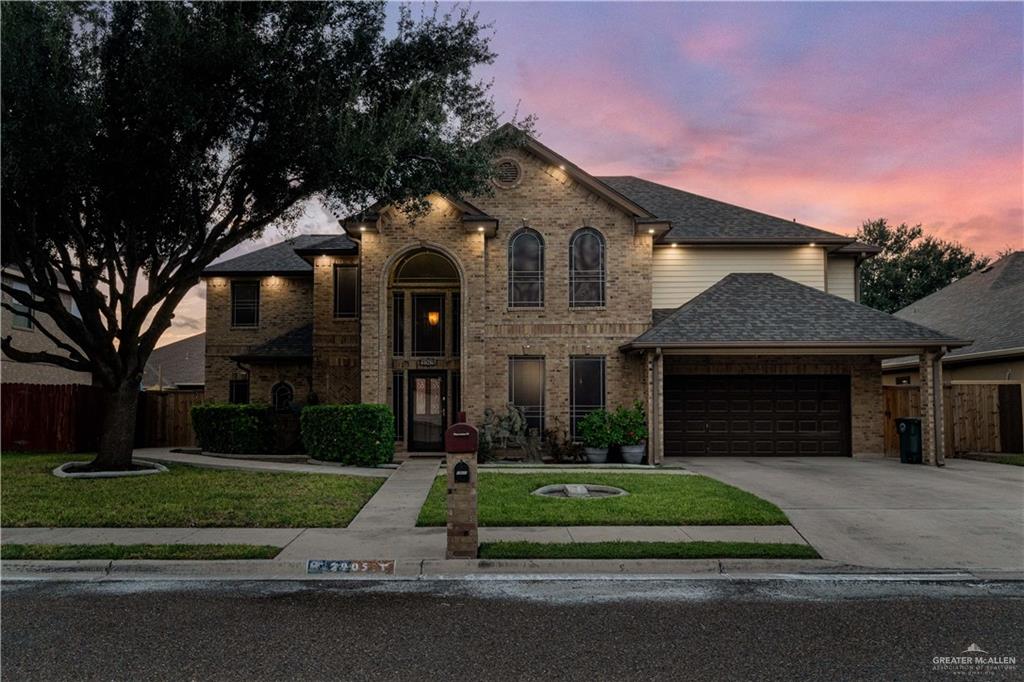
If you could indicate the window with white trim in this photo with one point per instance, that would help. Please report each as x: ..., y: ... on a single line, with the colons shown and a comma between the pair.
x: 245, y: 303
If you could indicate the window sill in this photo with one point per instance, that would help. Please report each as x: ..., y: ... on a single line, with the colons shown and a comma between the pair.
x: 247, y: 328
x: 586, y: 309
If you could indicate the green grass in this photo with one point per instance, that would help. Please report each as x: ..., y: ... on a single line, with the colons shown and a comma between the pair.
x: 112, y: 552
x: 653, y: 500
x: 1011, y: 459
x: 1015, y: 460
x: 186, y: 497
x: 645, y: 550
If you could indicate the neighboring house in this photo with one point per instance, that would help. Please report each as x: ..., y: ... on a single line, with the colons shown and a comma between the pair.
x: 986, y: 306
x: 563, y: 293
x: 26, y: 335
x: 180, y: 365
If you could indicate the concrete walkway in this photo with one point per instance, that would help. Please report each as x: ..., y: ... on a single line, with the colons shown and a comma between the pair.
x: 165, y: 455
x: 397, y: 503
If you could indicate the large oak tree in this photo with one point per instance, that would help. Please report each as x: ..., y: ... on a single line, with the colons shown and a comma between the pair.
x: 910, y: 266
x: 143, y: 140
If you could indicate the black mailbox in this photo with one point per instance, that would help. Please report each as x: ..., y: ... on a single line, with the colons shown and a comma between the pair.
x: 461, y: 472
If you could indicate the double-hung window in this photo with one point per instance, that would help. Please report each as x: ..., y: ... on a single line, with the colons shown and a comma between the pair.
x: 245, y: 304
x: 526, y: 389
x: 586, y: 390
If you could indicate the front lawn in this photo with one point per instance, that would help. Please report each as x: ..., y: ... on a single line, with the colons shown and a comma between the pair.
x: 645, y: 550
x: 653, y: 500
x: 118, y: 552
x: 186, y: 497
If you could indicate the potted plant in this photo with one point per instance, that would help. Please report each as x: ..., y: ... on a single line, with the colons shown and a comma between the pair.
x: 595, y: 432
x: 630, y: 429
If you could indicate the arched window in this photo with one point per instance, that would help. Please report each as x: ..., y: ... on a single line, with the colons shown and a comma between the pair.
x: 281, y: 396
x: 586, y: 269
x: 526, y: 269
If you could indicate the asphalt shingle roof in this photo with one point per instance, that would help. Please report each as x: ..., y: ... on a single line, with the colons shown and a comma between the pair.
x: 697, y: 218
x: 294, y: 344
x: 181, y: 362
x: 986, y: 306
x: 765, y: 309
x: 280, y: 258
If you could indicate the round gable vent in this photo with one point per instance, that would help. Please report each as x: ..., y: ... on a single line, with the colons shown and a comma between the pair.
x: 507, y: 173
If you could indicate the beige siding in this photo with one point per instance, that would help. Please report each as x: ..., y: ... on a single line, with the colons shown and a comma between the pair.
x: 842, y: 278
x: 681, y: 273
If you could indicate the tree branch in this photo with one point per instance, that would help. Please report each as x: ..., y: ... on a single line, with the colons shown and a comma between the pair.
x: 41, y: 356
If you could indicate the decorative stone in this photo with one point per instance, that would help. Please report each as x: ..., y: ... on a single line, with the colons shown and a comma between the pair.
x: 579, y: 491
x: 149, y: 468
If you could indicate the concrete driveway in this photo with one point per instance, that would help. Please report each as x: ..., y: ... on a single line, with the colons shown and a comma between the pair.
x: 883, y: 514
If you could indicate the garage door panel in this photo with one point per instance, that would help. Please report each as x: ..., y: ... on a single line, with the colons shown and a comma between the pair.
x: 757, y: 415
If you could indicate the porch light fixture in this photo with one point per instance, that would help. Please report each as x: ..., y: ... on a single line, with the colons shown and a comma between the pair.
x: 480, y: 229
x: 811, y: 244
x: 362, y: 228
x: 650, y: 231
x: 433, y: 318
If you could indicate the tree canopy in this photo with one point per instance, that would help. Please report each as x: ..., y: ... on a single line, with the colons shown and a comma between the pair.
x: 143, y: 140
x: 910, y: 266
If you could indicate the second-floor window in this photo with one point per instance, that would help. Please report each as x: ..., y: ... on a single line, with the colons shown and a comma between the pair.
x: 346, y: 291
x: 245, y: 304
x: 21, y: 318
x: 586, y: 269
x: 526, y: 270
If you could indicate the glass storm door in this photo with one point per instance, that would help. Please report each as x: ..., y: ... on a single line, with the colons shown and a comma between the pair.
x: 426, y: 411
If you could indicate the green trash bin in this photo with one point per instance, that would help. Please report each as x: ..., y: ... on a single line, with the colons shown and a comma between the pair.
x: 909, y: 430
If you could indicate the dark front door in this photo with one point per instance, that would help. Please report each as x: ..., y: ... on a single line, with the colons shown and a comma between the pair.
x: 427, y: 411
x: 757, y: 415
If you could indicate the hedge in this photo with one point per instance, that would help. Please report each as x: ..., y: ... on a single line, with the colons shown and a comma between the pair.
x: 231, y: 428
x: 360, y: 434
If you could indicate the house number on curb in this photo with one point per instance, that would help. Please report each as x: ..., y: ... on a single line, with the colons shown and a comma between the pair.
x: 350, y: 566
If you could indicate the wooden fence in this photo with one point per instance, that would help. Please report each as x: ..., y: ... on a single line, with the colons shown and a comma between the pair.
x: 979, y: 417
x: 68, y: 418
x: 45, y: 418
x: 165, y: 418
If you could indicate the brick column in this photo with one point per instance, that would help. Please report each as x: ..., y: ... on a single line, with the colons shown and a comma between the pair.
x: 932, y: 431
x: 463, y: 540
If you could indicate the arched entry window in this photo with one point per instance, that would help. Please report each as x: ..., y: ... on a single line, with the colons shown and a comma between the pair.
x: 586, y: 269
x: 526, y: 269
x: 281, y: 396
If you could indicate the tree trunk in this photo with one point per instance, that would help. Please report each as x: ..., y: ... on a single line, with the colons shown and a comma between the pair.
x: 117, y: 439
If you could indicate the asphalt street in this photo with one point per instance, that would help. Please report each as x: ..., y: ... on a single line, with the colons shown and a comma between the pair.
x: 508, y: 630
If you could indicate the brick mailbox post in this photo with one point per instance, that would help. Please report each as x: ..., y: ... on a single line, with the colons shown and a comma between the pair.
x: 460, y: 442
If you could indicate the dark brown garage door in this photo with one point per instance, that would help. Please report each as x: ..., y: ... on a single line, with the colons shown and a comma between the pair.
x: 757, y: 415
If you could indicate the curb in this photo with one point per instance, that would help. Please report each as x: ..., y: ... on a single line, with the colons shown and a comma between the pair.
x: 476, y: 569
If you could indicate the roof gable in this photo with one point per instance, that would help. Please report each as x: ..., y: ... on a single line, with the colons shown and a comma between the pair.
x: 985, y: 306
x: 284, y: 257
x: 701, y: 219
x: 766, y: 310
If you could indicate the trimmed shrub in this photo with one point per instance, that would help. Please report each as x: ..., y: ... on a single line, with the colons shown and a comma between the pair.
x: 237, y: 429
x: 629, y: 425
x: 359, y: 434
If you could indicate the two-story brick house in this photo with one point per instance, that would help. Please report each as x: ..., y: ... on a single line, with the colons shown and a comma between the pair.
x: 562, y: 293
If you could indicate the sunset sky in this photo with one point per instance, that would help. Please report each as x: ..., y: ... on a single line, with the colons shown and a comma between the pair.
x: 828, y: 113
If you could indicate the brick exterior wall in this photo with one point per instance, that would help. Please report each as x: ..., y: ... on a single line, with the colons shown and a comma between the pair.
x: 555, y: 206
x: 865, y: 374
x: 285, y: 304
x: 335, y: 340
